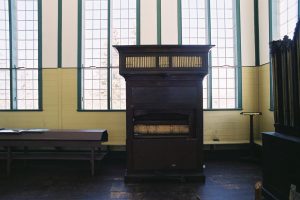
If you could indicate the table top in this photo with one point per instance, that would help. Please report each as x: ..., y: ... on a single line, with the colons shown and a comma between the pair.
x: 53, y: 134
x: 251, y: 113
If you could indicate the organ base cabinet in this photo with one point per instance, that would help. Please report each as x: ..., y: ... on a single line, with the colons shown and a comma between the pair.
x: 164, y: 112
x: 281, y: 165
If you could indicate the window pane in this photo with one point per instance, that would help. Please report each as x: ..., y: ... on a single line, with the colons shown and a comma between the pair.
x: 4, y: 56
x: 194, y: 29
x: 94, y: 54
x: 194, y: 22
x: 27, y: 54
x: 223, y: 87
x: 285, y: 16
x: 222, y: 33
x: 123, y: 32
x: 224, y: 59
x: 27, y: 88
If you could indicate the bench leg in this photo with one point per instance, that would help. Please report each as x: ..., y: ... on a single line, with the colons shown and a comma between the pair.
x: 25, y: 153
x: 92, y: 161
x: 8, y: 161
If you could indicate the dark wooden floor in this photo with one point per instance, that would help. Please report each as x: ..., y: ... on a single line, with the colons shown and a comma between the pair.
x: 55, y: 180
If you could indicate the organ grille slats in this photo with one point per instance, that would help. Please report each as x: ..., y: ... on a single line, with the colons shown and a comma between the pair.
x: 164, y: 62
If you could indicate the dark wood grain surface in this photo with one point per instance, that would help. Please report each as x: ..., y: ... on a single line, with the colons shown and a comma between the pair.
x: 56, y: 134
x: 164, y: 82
x: 61, y: 180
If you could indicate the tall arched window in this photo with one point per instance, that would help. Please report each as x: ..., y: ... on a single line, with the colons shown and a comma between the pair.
x: 4, y: 56
x: 20, y: 55
x: 104, y: 23
x: 215, y: 22
x: 284, y: 18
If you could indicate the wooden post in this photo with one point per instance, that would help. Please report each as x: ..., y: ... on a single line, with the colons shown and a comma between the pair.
x: 8, y: 161
x: 92, y: 161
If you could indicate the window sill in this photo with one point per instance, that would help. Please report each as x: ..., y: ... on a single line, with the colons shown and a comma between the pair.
x: 223, y: 109
x: 100, y: 110
x: 39, y: 110
x: 205, y: 110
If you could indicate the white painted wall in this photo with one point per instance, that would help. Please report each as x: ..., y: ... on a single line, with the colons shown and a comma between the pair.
x: 247, y: 32
x: 69, y: 33
x: 264, y: 31
x: 169, y: 22
x: 49, y: 33
x: 148, y: 22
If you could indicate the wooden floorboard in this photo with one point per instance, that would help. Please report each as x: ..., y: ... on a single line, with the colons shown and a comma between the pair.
x: 226, y: 179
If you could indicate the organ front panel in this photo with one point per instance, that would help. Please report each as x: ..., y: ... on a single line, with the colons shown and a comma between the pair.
x: 164, y: 112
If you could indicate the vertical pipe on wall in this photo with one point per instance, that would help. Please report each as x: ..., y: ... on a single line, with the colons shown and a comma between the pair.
x: 59, y: 34
x: 12, y: 53
x: 79, y: 67
x: 108, y: 56
x: 179, y: 24
x: 138, y: 21
x: 209, y: 76
x: 40, y: 57
x: 270, y: 39
x: 256, y: 32
x: 158, y: 4
x: 239, y: 56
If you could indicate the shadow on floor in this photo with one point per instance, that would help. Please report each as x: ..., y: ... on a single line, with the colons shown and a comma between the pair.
x: 226, y: 179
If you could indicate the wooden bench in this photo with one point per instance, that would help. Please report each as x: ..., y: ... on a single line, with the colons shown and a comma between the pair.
x: 37, y: 138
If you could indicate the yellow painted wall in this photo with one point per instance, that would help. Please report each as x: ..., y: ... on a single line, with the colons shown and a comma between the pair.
x: 266, y: 122
x: 60, y: 110
x: 60, y: 85
x: 230, y: 125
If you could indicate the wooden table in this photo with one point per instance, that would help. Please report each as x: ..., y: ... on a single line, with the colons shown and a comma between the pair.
x: 91, y: 139
x: 251, y: 132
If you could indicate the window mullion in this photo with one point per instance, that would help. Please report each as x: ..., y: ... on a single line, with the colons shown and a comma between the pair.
x: 138, y: 21
x: 13, y: 54
x: 209, y: 76
x: 40, y: 62
x: 158, y: 6
x: 299, y: 9
x: 109, y: 88
x: 238, y: 56
x: 79, y: 58
x: 179, y: 19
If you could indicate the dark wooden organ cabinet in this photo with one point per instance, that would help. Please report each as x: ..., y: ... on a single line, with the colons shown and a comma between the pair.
x: 281, y: 149
x: 164, y: 112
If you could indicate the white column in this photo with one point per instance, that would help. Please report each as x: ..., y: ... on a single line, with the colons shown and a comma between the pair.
x: 69, y: 33
x: 148, y: 22
x: 247, y: 32
x: 169, y: 22
x: 49, y: 33
x: 264, y: 31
